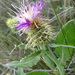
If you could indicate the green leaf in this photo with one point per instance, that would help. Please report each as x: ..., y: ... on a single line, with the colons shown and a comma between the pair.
x: 66, y: 36
x: 54, y: 59
x: 38, y: 73
x: 27, y: 61
x: 48, y: 53
x: 48, y: 61
x: 20, y: 71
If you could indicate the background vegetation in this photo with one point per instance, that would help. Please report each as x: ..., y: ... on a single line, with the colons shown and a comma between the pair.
x: 60, y: 15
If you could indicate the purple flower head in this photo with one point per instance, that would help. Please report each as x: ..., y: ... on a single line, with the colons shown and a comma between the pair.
x: 27, y: 14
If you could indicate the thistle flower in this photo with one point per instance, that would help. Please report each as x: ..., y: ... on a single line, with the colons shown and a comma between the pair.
x: 30, y: 21
x: 28, y: 16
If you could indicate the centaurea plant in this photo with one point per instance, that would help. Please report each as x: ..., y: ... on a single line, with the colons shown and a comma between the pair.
x: 39, y: 33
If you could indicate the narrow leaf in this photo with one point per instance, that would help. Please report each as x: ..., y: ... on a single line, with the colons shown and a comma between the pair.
x: 38, y: 73
x: 48, y: 61
x: 20, y: 71
x: 27, y: 61
x: 52, y: 57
